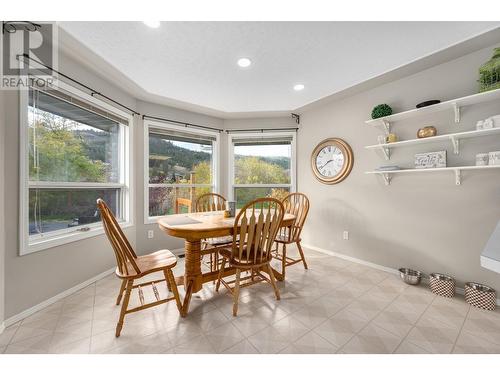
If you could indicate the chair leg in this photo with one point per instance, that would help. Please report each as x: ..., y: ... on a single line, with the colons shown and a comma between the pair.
x: 126, y: 299
x: 273, y: 282
x: 215, y: 263
x: 122, y: 288
x: 302, y: 255
x: 283, y: 262
x: 221, y: 272
x: 171, y: 285
x: 236, y: 292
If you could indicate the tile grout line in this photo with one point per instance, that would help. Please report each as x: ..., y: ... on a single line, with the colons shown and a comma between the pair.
x: 92, y: 321
x: 487, y: 339
x: 414, y: 326
x: 10, y: 340
x: 54, y: 330
x: 370, y: 320
x: 52, y: 334
x: 245, y: 338
x: 363, y: 327
x: 312, y: 329
x: 460, y: 331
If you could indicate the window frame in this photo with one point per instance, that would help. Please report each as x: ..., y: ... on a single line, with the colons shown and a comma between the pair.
x: 196, y: 132
x: 261, y: 135
x: 34, y: 243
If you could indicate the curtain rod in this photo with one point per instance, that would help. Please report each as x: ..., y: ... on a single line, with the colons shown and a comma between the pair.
x: 259, y: 130
x: 186, y: 124
x: 92, y: 91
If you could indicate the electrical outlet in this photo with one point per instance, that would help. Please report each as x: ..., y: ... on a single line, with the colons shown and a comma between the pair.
x: 151, y: 234
x: 345, y: 235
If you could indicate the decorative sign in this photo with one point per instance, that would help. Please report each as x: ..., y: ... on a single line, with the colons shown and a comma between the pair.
x: 430, y: 160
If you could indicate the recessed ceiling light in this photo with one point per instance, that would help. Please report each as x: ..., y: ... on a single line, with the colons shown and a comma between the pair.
x: 153, y: 24
x: 244, y: 62
x: 299, y: 87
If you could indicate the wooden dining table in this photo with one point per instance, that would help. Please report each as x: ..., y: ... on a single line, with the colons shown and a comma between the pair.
x: 193, y: 228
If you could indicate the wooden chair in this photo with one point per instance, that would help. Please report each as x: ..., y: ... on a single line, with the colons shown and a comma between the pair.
x: 131, y: 267
x: 206, y: 203
x: 256, y: 226
x: 296, y: 204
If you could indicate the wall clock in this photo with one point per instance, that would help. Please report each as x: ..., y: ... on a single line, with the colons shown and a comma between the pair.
x: 332, y: 161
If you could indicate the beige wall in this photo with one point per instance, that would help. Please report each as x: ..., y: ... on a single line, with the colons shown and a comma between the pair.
x: 423, y: 220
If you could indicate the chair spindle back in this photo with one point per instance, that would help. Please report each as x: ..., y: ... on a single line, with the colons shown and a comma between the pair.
x: 259, y: 222
x: 296, y: 204
x: 210, y: 202
x: 123, y: 251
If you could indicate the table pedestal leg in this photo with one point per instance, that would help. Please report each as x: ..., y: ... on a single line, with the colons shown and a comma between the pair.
x: 187, y: 299
x: 193, y: 279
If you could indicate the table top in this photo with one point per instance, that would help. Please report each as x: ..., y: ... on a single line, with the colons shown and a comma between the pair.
x: 196, y: 226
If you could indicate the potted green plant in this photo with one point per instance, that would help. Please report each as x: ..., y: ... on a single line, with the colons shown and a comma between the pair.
x: 489, y: 73
x: 381, y: 110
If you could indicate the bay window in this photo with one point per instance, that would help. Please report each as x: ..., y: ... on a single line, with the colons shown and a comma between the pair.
x: 181, y: 164
x: 74, y: 149
x: 261, y: 165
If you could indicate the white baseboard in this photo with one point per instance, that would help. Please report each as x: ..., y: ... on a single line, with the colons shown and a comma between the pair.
x: 24, y: 314
x: 460, y: 291
x: 352, y: 259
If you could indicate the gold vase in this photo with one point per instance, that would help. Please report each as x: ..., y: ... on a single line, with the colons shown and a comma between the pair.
x: 426, y: 131
x: 391, y: 138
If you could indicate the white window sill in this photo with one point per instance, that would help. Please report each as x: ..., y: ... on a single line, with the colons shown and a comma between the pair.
x: 152, y: 219
x: 54, y: 241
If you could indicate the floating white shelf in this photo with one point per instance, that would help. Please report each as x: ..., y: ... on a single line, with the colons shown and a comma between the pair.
x: 454, y: 104
x: 387, y: 175
x: 454, y: 138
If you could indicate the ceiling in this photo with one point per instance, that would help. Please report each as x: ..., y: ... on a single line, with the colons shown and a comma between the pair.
x: 195, y: 62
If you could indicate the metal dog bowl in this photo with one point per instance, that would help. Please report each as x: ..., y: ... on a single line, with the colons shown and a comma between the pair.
x: 480, y: 296
x: 410, y: 276
x: 442, y: 285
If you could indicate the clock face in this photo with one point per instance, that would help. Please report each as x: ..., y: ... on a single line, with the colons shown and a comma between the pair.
x: 332, y: 160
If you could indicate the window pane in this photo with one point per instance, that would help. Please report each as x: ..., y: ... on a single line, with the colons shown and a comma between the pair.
x: 244, y: 195
x: 56, y: 209
x: 262, y: 164
x: 171, y: 200
x: 70, y: 144
x: 172, y: 160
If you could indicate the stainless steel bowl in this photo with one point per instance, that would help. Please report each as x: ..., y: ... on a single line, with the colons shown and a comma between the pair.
x: 480, y: 287
x: 410, y: 276
x: 441, y: 277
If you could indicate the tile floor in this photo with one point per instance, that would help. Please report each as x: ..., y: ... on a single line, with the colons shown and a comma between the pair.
x: 334, y: 307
